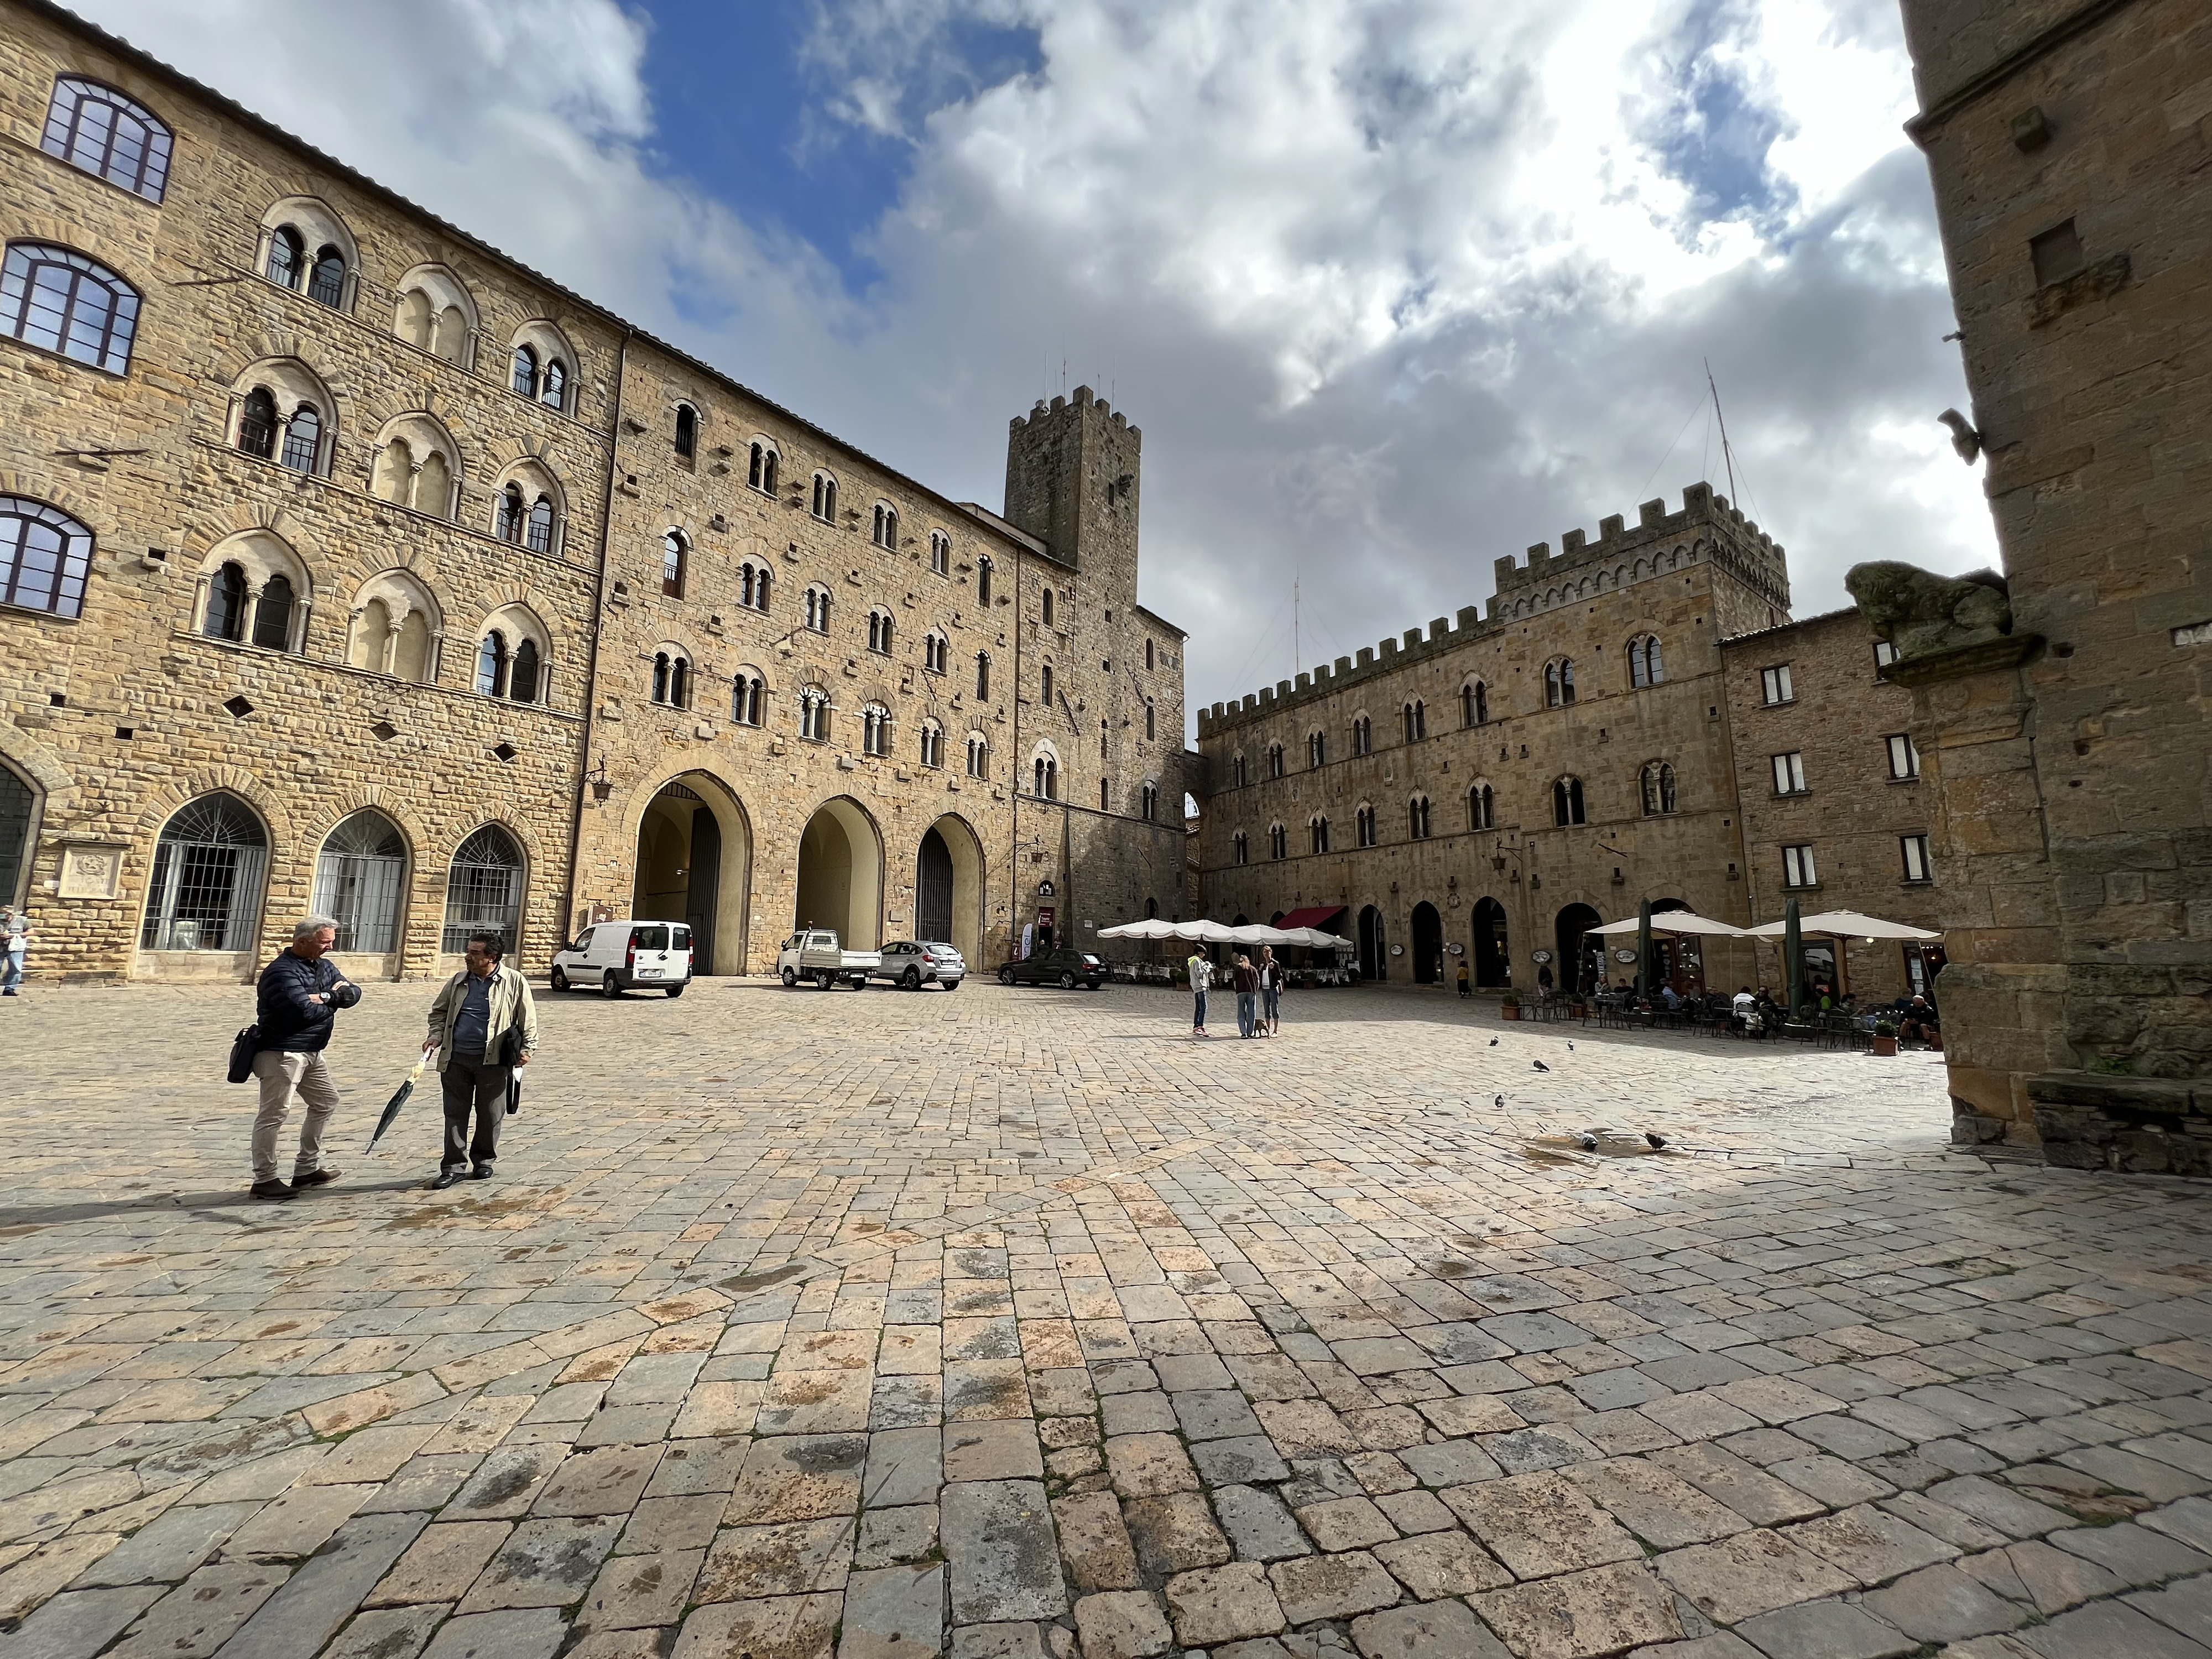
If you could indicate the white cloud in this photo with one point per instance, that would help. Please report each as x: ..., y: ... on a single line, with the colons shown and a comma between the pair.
x: 1394, y: 286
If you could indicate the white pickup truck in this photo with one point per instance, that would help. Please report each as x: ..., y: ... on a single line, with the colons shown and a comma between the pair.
x: 815, y: 954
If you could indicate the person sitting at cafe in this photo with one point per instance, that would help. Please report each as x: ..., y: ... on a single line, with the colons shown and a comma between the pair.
x: 1917, y: 1019
x: 1671, y: 998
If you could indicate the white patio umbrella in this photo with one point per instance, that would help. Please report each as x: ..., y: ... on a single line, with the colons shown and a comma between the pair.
x: 1314, y: 936
x: 1842, y: 924
x: 1676, y: 921
x: 1150, y: 927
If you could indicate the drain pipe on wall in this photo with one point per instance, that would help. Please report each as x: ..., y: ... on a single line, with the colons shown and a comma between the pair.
x: 598, y: 621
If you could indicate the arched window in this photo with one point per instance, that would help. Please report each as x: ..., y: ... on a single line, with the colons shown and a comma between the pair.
x: 1317, y: 749
x: 326, y: 278
x: 1045, y: 598
x: 982, y: 675
x: 979, y: 756
x: 493, y: 661
x: 226, y: 603
x: 1473, y: 704
x: 522, y: 676
x: 760, y: 467
x: 522, y: 375
x: 1644, y: 666
x: 814, y: 714
x: 1044, y: 685
x: 272, y: 614
x: 982, y: 581
x: 825, y: 498
x: 483, y: 891
x: 287, y: 257
x: 554, y: 393
x: 1047, y: 778
x: 932, y: 743
x: 1148, y: 656
x: 1363, y: 736
x: 537, y: 535
x: 1363, y: 825
x: 207, y: 869
x: 303, y: 440
x: 1559, y: 682
x: 818, y: 609
x: 1481, y: 808
x: 1240, y: 771
x: 745, y: 692
x: 1317, y: 834
x: 1567, y: 801
x: 671, y: 679
x: 752, y: 585
x: 1274, y: 760
x: 875, y: 729
x: 1152, y: 721
x: 673, y: 547
x: 687, y: 432
x: 940, y: 552
x: 45, y: 556
x: 361, y: 877
x: 1417, y: 815
x: 879, y: 631
x: 1658, y: 788
x: 1149, y: 803
x: 934, y: 646
x: 1242, y: 847
x: 96, y: 128
x: 885, y: 532
x: 1278, y: 842
x: 59, y: 300
x: 507, y: 523
x: 256, y: 424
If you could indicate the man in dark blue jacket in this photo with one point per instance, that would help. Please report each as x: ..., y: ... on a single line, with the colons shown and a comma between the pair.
x: 298, y: 999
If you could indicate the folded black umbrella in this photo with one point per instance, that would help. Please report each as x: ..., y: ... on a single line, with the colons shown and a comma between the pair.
x: 515, y: 1092
x: 398, y: 1099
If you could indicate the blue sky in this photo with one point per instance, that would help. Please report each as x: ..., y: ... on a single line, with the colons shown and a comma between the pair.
x: 1394, y: 287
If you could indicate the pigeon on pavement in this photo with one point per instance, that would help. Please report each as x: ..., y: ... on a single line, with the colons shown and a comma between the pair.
x: 1589, y: 1141
x: 1540, y: 1066
x: 1493, y: 1043
x: 1499, y: 1102
x: 1657, y: 1140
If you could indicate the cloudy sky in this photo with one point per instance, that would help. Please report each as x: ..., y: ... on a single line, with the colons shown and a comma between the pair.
x: 1394, y: 287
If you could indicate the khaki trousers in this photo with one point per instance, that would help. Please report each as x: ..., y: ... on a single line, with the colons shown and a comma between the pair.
x: 283, y: 1076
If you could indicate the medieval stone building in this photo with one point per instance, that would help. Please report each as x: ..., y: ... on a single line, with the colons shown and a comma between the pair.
x: 351, y: 566
x: 1635, y: 717
x: 2071, y: 728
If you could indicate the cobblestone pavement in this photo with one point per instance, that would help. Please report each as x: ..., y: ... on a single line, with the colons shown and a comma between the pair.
x: 1018, y: 1324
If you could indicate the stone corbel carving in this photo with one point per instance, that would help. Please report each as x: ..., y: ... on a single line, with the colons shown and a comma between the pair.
x: 1921, y: 613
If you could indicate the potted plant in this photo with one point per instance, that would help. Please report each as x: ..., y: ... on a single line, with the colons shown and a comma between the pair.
x: 1885, y: 1037
x: 1509, y: 1006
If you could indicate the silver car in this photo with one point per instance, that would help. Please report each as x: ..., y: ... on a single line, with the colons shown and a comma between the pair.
x: 913, y: 963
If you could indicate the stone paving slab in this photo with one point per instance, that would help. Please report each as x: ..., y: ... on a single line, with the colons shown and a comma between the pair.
x: 1021, y: 1326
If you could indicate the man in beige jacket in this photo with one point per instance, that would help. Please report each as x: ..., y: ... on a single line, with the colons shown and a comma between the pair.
x: 483, y: 1025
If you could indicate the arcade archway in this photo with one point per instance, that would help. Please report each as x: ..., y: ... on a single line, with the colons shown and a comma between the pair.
x: 1492, y: 959
x: 1428, y: 945
x: 948, y: 887
x: 695, y: 865
x: 840, y: 874
x: 1574, y: 960
x: 1373, y: 964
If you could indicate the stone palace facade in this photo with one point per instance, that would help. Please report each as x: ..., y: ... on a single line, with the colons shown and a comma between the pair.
x: 352, y: 566
x: 1633, y: 717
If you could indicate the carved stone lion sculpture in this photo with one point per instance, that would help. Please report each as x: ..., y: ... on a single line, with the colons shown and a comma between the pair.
x: 1919, y: 611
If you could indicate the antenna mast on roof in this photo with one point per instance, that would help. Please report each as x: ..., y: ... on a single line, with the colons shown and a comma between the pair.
x: 1297, y: 656
x: 1727, y: 455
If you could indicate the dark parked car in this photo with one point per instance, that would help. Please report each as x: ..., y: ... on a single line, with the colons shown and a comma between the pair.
x: 1063, y: 966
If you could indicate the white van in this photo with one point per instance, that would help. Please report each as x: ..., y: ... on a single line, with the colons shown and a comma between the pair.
x: 615, y: 957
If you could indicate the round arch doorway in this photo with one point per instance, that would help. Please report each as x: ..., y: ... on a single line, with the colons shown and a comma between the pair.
x: 1576, y: 962
x: 695, y: 865
x: 948, y: 887
x: 1428, y: 945
x: 1493, y: 962
x: 840, y: 874
x: 1372, y: 963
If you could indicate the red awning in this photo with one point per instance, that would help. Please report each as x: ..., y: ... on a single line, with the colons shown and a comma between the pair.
x: 1313, y: 916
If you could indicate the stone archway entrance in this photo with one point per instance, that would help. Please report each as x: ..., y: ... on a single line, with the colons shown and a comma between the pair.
x: 1372, y: 963
x: 840, y: 874
x: 695, y: 865
x: 1574, y: 961
x: 1492, y: 960
x: 948, y: 887
x: 1428, y: 945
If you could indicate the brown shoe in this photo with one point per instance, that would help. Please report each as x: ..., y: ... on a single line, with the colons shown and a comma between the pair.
x: 276, y: 1190
x: 316, y: 1178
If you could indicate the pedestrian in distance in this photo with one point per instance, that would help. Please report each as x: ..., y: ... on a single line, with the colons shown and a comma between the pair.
x: 1201, y: 976
x: 1465, y: 989
x: 17, y: 928
x: 1244, y: 979
x: 485, y: 1026
x: 296, y: 1003
x: 1271, y: 991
